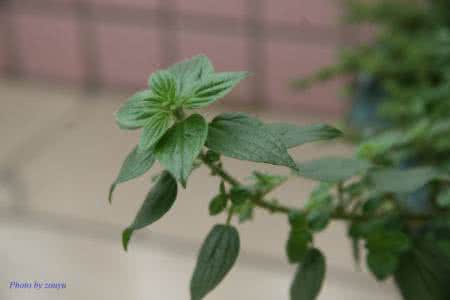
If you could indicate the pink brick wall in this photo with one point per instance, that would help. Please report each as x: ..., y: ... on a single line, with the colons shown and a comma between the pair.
x: 229, y: 8
x: 127, y: 54
x: 292, y: 60
x: 127, y: 49
x: 48, y: 47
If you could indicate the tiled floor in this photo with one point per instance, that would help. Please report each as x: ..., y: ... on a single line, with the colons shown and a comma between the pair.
x: 60, y: 151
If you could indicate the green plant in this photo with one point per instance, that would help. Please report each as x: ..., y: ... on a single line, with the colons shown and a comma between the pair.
x: 355, y: 191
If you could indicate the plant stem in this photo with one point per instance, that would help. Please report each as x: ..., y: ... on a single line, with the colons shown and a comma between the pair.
x: 272, y: 207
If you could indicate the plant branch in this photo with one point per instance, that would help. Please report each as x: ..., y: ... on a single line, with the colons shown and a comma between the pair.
x: 273, y: 207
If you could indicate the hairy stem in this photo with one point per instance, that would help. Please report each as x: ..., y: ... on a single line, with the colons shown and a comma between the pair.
x: 273, y: 207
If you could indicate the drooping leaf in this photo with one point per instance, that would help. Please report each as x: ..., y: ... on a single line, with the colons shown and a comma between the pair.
x: 298, y: 244
x: 212, y: 88
x: 218, y: 204
x: 164, y: 86
x: 382, y: 264
x: 388, y: 241
x: 155, y: 127
x: 157, y: 203
x: 240, y: 136
x: 424, y: 273
x: 309, y: 277
x: 294, y: 135
x: 181, y: 145
x: 320, y: 207
x: 402, y: 181
x: 216, y: 258
x: 299, y: 238
x: 139, y: 107
x: 332, y: 169
x: 135, y: 165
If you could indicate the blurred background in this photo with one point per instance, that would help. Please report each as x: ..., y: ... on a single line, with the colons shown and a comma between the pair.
x: 65, y: 67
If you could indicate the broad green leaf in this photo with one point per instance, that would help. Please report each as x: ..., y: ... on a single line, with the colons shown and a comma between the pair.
x: 192, y: 69
x: 188, y: 72
x: 332, y: 169
x: 443, y: 199
x: 294, y: 135
x: 216, y: 258
x: 382, y: 264
x: 164, y: 86
x: 155, y: 127
x: 388, y: 241
x: 240, y: 136
x: 218, y: 204
x: 402, y: 181
x: 212, y: 88
x: 134, y: 113
x: 424, y: 274
x: 309, y: 277
x: 181, y: 145
x: 135, y: 165
x: 157, y: 203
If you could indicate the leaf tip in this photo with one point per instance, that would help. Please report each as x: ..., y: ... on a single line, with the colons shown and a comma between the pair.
x: 111, y: 191
x: 126, y: 236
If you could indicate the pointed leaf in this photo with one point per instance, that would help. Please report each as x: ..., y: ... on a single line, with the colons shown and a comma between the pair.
x: 212, y: 88
x: 188, y: 72
x: 216, y: 258
x: 240, y: 136
x: 382, y: 264
x: 163, y: 85
x: 181, y: 145
x: 155, y: 127
x: 157, y: 203
x: 139, y: 107
x: 332, y: 169
x: 403, y: 181
x: 309, y: 277
x: 135, y: 165
x: 294, y: 135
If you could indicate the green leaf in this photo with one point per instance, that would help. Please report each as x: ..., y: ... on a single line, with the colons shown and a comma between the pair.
x: 218, y: 204
x: 192, y: 70
x: 332, y: 169
x: 424, y: 274
x: 294, y: 135
x: 388, y: 241
x: 239, y: 194
x: 402, y: 181
x: 164, y: 86
x: 382, y: 264
x: 298, y: 244
x: 217, y: 256
x: 212, y: 88
x: 320, y: 207
x: 135, y: 165
x: 245, y: 211
x: 309, y: 277
x: 139, y: 107
x: 443, y: 199
x: 181, y: 145
x: 157, y: 203
x: 154, y: 128
x: 240, y: 136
